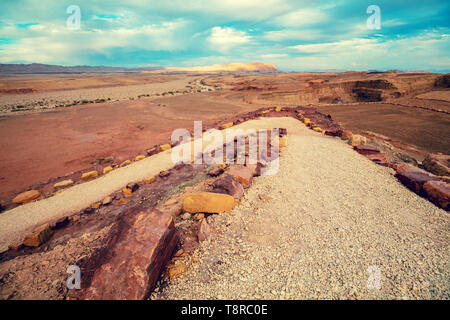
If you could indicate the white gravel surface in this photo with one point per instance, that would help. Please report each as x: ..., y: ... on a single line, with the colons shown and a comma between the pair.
x: 331, y: 215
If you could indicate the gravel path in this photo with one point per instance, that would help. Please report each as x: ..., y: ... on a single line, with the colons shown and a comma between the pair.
x: 331, y: 215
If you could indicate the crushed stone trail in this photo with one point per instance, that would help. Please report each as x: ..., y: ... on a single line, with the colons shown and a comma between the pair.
x: 333, y: 221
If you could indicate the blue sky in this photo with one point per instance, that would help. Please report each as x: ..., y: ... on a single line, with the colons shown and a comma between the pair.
x: 292, y: 34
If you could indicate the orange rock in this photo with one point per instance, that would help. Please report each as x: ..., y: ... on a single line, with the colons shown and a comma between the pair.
x: 265, y: 111
x: 227, y: 125
x: 150, y: 180
x: 165, y: 147
x: 356, y: 139
x: 125, y: 163
x: 122, y: 201
x: 176, y: 270
x: 107, y: 169
x: 96, y: 205
x: 207, y: 202
x: 306, y: 121
x: 318, y: 129
x: 346, y: 135
x: 127, y: 191
x: 242, y: 174
x: 89, y: 175
x: 27, y: 196
x: 140, y: 157
x: 38, y: 236
x: 278, y: 109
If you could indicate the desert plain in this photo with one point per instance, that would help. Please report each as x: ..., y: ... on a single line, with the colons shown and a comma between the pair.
x: 55, y: 127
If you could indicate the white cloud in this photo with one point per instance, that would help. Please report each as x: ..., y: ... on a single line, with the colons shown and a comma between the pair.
x: 302, y: 17
x: 223, y: 39
x: 55, y: 43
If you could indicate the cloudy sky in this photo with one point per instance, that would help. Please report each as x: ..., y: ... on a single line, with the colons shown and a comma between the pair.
x: 292, y: 34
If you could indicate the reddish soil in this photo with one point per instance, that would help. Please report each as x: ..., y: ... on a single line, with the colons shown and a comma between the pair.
x: 37, y: 147
x: 428, y: 130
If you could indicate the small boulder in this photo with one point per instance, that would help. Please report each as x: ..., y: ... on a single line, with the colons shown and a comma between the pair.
x: 27, y: 196
x: 39, y: 236
x: 229, y: 185
x: 365, y: 149
x: 242, y: 174
x: 63, y: 184
x: 216, y: 171
x: 356, y: 139
x: 107, y: 201
x: 346, y: 135
x: 125, y: 163
x: 437, y: 164
x: 165, y: 147
x: 204, y: 231
x: 415, y: 180
x: 150, y: 180
x: 438, y: 192
x: 207, y: 202
x: 107, y: 169
x: 140, y: 157
x: 227, y: 125
x: 164, y: 174
x: 89, y: 175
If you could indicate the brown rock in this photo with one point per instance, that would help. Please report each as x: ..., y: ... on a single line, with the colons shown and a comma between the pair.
x: 242, y: 174
x: 229, y: 185
x: 216, y: 171
x: 438, y: 192
x: 27, y: 196
x: 207, y: 202
x: 164, y: 174
x: 415, y: 180
x: 145, y: 240
x: 204, y: 231
x: 152, y: 151
x: 39, y: 236
x: 379, y: 157
x: 437, y: 164
x: 133, y: 186
x: 365, y: 149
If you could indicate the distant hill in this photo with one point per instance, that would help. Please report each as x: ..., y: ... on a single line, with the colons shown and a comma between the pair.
x: 232, y: 67
x: 47, y: 68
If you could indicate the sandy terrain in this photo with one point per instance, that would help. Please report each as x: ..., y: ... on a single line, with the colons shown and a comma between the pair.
x: 95, y: 91
x: 145, y: 108
x: 66, y: 140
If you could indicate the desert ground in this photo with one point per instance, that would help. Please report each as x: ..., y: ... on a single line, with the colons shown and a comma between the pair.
x: 58, y: 127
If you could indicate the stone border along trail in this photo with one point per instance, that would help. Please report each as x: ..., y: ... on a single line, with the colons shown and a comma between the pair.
x: 15, y: 223
x: 330, y: 215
